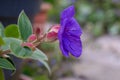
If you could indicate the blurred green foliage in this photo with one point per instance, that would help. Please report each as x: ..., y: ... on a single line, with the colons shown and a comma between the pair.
x: 103, y: 14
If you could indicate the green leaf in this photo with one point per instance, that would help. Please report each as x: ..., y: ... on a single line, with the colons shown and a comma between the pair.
x: 45, y: 64
x: 8, y: 41
x: 25, y: 26
x: 40, y: 56
x: 1, y: 75
x: 19, y: 51
x: 1, y: 41
x: 5, y: 63
x: 12, y: 31
x: 1, y: 30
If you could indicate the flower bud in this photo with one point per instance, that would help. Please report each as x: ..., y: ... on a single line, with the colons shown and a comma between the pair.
x: 29, y: 45
x: 52, y: 34
x: 32, y: 38
x: 38, y: 31
x: 55, y: 28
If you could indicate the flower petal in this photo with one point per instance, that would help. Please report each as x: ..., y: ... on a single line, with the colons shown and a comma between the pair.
x: 65, y: 52
x: 72, y: 28
x: 69, y: 33
x: 73, y: 45
x: 76, y: 48
x: 68, y: 12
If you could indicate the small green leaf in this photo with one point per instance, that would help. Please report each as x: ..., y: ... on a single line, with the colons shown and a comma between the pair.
x: 40, y: 56
x: 5, y: 63
x: 1, y: 41
x: 1, y: 30
x: 45, y: 64
x: 19, y: 51
x: 12, y: 31
x: 1, y: 75
x: 8, y: 41
x: 25, y: 26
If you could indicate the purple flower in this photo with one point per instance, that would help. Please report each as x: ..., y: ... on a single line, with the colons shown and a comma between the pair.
x: 69, y: 33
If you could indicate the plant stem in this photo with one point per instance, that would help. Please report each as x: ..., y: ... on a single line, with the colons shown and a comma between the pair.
x: 4, y: 53
x: 1, y: 74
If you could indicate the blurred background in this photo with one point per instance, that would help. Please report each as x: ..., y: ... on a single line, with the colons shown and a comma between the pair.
x: 100, y: 60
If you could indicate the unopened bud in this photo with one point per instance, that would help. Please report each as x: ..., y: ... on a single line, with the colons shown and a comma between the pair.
x: 52, y: 34
x: 37, y: 31
x: 29, y: 45
x: 32, y: 38
x: 55, y: 28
